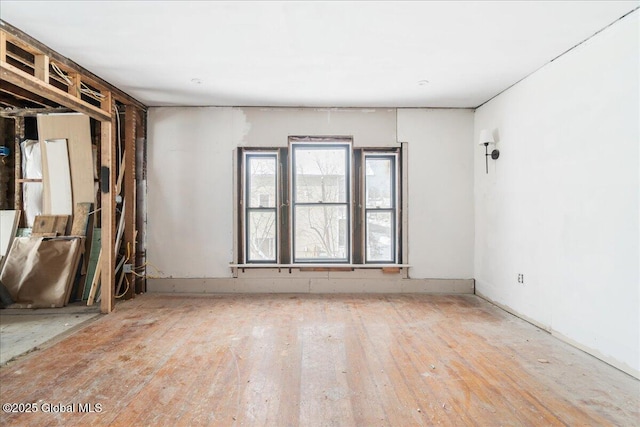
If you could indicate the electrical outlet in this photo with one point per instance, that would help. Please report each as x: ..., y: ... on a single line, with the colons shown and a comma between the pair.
x: 126, y: 268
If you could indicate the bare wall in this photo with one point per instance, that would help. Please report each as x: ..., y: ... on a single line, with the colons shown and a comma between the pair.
x: 560, y: 205
x: 440, y: 203
x: 190, y: 194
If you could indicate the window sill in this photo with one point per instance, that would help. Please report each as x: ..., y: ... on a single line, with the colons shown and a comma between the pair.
x: 318, y: 265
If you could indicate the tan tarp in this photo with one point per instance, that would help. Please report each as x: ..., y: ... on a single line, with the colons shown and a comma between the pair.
x: 39, y: 272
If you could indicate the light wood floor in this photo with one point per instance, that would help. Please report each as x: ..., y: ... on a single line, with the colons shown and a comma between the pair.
x: 316, y: 360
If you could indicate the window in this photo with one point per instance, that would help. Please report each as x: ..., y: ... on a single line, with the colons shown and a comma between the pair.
x: 261, y: 207
x: 319, y: 201
x: 380, y: 210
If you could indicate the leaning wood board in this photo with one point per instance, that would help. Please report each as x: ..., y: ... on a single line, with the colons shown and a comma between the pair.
x: 58, y: 193
x: 95, y: 282
x: 93, y: 265
x: 46, y: 224
x: 81, y: 213
x: 76, y: 129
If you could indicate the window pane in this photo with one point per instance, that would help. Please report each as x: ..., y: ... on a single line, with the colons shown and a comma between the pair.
x: 262, y: 181
x: 380, y: 241
x: 321, y: 233
x: 261, y: 238
x: 379, y: 182
x: 320, y: 174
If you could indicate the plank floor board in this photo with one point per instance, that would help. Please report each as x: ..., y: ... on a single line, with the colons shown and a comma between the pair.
x: 316, y: 360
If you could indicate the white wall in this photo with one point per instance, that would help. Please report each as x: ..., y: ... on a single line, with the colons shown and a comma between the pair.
x: 440, y: 202
x: 189, y: 191
x: 560, y: 205
x: 190, y: 185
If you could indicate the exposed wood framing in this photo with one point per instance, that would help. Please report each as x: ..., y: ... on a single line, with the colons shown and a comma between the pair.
x: 129, y: 241
x: 32, y: 84
x: 107, y: 101
x: 108, y: 203
x: 42, y: 68
x: 19, y: 136
x: 74, y: 88
x: 30, y: 44
x: 27, y: 84
x: 3, y: 47
x: 15, y: 94
x: 32, y: 112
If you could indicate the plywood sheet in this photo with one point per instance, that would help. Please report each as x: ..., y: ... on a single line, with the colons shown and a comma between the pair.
x: 58, y: 197
x: 81, y: 219
x: 76, y: 129
x: 39, y: 272
x: 47, y: 224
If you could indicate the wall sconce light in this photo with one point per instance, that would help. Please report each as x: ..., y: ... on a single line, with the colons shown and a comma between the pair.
x: 486, y: 138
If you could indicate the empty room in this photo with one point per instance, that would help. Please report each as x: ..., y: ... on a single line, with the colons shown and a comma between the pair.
x: 320, y: 213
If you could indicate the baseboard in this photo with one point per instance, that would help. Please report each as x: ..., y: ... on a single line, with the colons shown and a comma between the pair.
x: 311, y: 285
x: 593, y: 352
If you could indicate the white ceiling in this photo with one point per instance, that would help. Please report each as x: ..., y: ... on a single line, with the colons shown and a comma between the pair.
x: 313, y: 53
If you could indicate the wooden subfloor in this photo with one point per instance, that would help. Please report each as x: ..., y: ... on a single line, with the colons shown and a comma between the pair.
x: 314, y: 360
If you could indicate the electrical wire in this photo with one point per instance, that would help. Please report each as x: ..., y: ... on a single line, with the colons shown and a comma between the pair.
x: 126, y: 290
x: 90, y: 92
x: 143, y: 266
x: 83, y: 87
x: 61, y: 73
x: 124, y: 261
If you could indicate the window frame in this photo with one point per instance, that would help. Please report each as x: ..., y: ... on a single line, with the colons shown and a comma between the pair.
x: 356, y: 204
x: 246, y: 173
x: 393, y: 209
x: 319, y: 143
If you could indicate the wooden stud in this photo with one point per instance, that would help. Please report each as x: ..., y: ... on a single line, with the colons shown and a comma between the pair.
x: 15, y: 95
x: 17, y: 160
x: 3, y: 46
x: 108, y: 203
x: 15, y: 76
x: 121, y: 174
x: 74, y: 88
x: 130, y: 121
x: 107, y: 102
x: 42, y: 68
